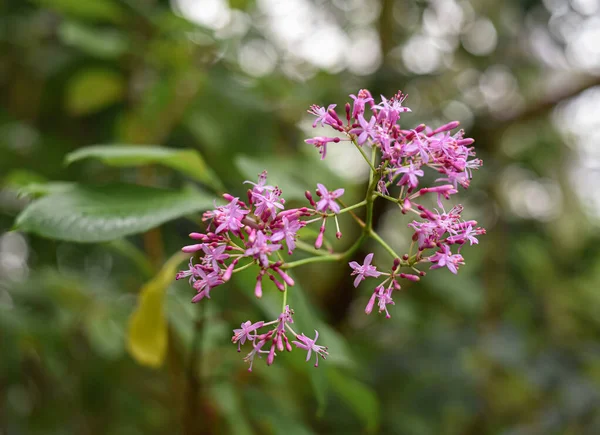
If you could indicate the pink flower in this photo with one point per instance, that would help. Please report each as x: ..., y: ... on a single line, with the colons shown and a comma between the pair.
x: 384, y: 299
x: 322, y: 116
x: 205, y: 283
x: 213, y: 256
x: 328, y: 199
x: 391, y: 109
x: 444, y: 257
x: 359, y: 102
x: 261, y: 249
x: 288, y: 232
x: 364, y: 270
x: 309, y: 345
x: 267, y: 203
x: 366, y: 129
x: 230, y: 216
x: 410, y: 175
x: 247, y: 328
x: 321, y: 142
x: 261, y: 185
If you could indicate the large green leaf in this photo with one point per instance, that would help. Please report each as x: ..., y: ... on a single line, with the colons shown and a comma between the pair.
x: 102, y: 213
x: 187, y: 161
x: 147, y: 336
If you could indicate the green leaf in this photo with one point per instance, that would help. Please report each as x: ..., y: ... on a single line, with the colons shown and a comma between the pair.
x: 96, y: 42
x: 357, y: 396
x: 92, y: 90
x: 40, y: 189
x: 147, y: 335
x: 96, y: 10
x: 103, y: 213
x: 187, y: 161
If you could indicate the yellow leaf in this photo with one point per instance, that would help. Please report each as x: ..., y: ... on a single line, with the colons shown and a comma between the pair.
x: 147, y: 336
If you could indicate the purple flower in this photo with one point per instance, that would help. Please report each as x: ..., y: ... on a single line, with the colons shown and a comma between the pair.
x: 256, y: 350
x: 410, y: 175
x: 261, y: 185
x: 328, y: 199
x: 288, y: 232
x: 359, y: 102
x: 230, y: 217
x: 321, y: 142
x: 191, y: 271
x: 390, y: 109
x: 213, y: 256
x: 247, y: 328
x: 205, y: 283
x: 321, y: 113
x: 261, y: 249
x: 309, y: 345
x: 267, y: 203
x: 364, y: 270
x: 384, y: 299
x: 445, y: 258
x: 366, y: 129
x: 417, y: 146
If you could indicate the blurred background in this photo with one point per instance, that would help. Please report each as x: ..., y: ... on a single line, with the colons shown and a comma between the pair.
x: 509, y: 346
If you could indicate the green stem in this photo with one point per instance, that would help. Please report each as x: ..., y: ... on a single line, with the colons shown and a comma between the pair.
x: 362, y: 152
x: 387, y: 247
x: 243, y: 267
x: 285, y: 292
x: 327, y: 257
x: 309, y: 248
x: 352, y: 207
x: 389, y: 198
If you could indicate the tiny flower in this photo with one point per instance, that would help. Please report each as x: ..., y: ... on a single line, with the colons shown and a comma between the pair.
x: 213, y: 256
x: 288, y: 232
x: 309, y: 345
x: 445, y: 258
x: 366, y: 129
x: 230, y: 217
x: 267, y: 203
x: 410, y: 175
x: 390, y: 109
x: 321, y: 113
x: 261, y: 249
x: 321, y: 142
x: 328, y: 199
x: 205, y: 283
x: 261, y: 185
x: 247, y: 328
x: 359, y: 102
x: 383, y: 297
x: 364, y: 270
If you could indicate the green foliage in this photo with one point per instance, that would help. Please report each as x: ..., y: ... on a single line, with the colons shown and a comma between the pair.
x: 92, y: 90
x: 97, y: 10
x: 101, y: 213
x: 147, y: 335
x: 188, y: 162
x: 106, y: 44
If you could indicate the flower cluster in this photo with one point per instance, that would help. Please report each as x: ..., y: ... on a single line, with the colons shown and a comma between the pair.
x: 255, y: 232
x: 401, y: 155
x: 275, y: 339
x: 258, y: 232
